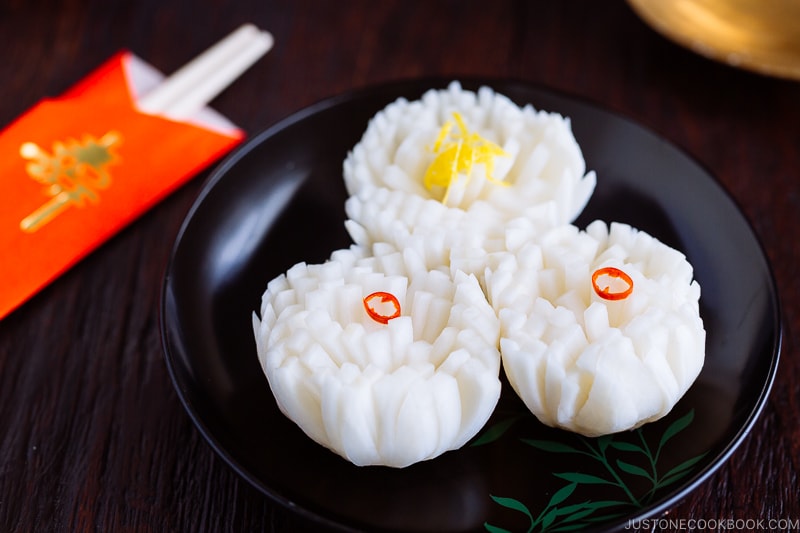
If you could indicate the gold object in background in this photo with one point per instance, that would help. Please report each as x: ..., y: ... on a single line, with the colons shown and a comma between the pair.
x: 758, y: 35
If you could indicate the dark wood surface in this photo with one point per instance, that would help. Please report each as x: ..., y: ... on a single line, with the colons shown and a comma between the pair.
x: 92, y: 434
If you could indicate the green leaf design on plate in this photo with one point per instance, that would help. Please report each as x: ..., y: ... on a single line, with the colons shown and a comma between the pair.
x: 588, y: 479
x: 626, y: 462
x: 511, y: 503
x: 676, y: 427
x: 633, y: 469
x: 496, y: 431
x: 575, y: 516
x: 562, y: 494
x: 678, y: 472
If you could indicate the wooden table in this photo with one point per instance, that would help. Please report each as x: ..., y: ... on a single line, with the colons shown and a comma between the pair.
x: 92, y: 434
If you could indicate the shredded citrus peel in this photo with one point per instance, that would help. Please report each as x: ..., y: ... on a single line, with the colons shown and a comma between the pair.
x: 609, y: 275
x: 457, y: 152
x: 377, y: 312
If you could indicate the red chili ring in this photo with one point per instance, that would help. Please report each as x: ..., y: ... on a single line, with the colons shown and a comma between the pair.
x: 384, y: 297
x: 612, y: 272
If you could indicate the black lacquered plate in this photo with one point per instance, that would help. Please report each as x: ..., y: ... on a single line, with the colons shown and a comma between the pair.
x: 279, y: 199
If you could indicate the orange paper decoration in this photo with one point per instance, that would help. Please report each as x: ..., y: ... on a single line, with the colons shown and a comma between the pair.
x: 78, y: 168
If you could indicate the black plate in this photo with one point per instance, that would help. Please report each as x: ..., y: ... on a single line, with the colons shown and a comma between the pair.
x: 279, y: 199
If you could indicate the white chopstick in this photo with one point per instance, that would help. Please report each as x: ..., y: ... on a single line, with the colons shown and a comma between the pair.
x: 195, y: 84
